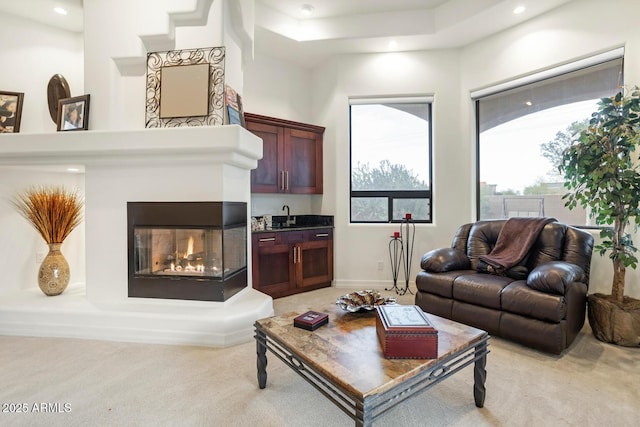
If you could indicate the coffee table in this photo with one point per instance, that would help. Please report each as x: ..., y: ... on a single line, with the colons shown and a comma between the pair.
x: 344, y: 361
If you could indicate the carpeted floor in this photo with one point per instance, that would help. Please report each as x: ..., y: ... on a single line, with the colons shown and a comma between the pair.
x: 68, y: 382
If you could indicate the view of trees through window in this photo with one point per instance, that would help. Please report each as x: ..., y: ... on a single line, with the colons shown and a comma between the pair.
x: 519, y: 159
x: 390, y: 161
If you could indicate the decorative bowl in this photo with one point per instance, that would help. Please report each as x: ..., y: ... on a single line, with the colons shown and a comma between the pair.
x: 363, y: 300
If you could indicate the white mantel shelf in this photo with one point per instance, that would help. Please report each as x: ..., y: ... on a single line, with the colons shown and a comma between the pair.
x: 230, y: 144
x: 136, y: 165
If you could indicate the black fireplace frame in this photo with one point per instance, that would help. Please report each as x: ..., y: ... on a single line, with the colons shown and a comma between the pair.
x: 221, y: 215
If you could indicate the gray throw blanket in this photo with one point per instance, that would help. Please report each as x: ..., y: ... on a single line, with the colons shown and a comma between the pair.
x: 513, y: 244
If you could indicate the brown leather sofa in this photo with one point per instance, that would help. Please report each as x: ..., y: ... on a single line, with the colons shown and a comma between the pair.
x: 541, y: 306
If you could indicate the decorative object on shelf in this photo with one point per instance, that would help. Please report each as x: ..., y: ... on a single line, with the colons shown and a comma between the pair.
x: 10, y: 111
x: 396, y: 256
x: 54, y: 212
x: 243, y: 123
x: 73, y: 113
x: 602, y: 174
x: 57, y: 89
x: 363, y: 300
x: 185, y: 88
x: 233, y: 107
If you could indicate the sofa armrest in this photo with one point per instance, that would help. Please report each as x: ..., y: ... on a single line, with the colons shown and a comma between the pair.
x: 445, y: 259
x: 554, y: 277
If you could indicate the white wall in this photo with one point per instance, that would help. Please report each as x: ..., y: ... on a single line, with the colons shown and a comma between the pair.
x: 36, y: 53
x: 20, y: 241
x: 278, y: 89
x: 113, y: 30
x: 33, y: 53
x: 359, y: 247
x: 576, y: 30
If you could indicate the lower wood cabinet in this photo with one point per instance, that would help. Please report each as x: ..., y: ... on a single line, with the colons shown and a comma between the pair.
x: 290, y: 262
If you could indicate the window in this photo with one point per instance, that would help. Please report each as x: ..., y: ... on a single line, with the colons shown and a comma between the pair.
x: 390, y: 159
x: 522, y: 131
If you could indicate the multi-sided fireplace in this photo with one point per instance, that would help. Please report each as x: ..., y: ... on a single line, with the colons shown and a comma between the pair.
x: 187, y: 250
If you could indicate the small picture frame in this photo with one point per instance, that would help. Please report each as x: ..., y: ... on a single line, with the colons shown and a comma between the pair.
x: 10, y: 111
x: 73, y: 113
x: 234, y: 114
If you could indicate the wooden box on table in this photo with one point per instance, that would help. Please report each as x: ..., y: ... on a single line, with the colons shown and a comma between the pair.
x: 405, y: 332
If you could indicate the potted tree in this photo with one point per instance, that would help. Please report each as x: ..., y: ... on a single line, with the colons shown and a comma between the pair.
x: 603, y: 175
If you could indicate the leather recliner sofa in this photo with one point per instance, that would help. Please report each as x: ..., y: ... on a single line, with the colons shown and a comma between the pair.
x: 544, y: 308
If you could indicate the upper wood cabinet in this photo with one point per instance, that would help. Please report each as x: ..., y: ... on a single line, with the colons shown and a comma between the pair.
x: 292, y: 156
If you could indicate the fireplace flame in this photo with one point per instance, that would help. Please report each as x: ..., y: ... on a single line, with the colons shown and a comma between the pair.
x: 189, y: 247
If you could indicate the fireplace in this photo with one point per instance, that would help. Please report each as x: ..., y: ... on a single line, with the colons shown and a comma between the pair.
x: 187, y: 250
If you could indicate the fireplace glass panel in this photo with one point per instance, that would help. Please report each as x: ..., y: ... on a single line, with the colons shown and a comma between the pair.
x: 191, y: 252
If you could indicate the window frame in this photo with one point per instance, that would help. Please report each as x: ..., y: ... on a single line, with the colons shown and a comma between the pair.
x: 477, y: 96
x: 393, y: 195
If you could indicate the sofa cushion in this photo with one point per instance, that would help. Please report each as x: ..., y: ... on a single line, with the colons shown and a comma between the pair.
x: 439, y: 283
x: 444, y: 259
x: 482, y: 238
x: 554, y: 277
x: 518, y: 298
x: 480, y: 289
x: 548, y: 245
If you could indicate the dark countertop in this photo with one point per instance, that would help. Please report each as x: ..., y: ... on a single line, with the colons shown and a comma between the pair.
x: 293, y: 228
x: 300, y: 222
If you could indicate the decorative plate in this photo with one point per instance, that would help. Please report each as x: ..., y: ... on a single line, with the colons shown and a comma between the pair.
x: 57, y: 89
x: 363, y: 300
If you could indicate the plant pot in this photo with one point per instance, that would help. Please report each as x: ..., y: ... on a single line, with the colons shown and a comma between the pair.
x: 613, y: 322
x: 53, y: 276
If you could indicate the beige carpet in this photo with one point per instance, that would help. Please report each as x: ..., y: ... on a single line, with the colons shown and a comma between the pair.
x: 95, y: 383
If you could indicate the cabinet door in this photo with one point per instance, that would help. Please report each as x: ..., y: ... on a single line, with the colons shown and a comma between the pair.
x: 268, y: 177
x: 273, y: 269
x: 314, y: 263
x: 303, y: 161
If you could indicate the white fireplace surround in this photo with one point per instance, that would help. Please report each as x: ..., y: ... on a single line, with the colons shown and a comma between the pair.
x: 169, y: 164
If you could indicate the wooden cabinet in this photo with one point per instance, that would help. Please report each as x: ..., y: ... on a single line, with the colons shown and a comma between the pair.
x: 292, y: 156
x: 290, y: 262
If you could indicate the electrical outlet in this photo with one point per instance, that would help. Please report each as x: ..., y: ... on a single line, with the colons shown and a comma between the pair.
x: 380, y: 265
x: 40, y: 257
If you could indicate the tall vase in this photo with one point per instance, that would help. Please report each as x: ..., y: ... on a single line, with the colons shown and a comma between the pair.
x: 53, y: 276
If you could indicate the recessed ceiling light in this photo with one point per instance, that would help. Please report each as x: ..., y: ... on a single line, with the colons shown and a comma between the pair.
x: 518, y: 10
x: 528, y: 103
x: 60, y: 10
x: 306, y: 10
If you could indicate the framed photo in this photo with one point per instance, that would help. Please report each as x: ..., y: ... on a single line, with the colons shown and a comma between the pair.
x: 241, y: 112
x: 10, y: 111
x: 73, y: 113
x: 233, y: 102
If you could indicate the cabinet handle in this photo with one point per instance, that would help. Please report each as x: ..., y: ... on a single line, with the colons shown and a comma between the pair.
x: 322, y: 235
x: 299, y: 254
x: 268, y: 239
x: 287, y: 181
x: 294, y: 255
x: 282, y: 187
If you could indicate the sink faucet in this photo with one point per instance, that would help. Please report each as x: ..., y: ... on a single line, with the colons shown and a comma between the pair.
x: 286, y: 207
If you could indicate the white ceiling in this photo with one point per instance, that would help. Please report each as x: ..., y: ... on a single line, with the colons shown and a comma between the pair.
x: 344, y: 26
x: 42, y: 11
x: 350, y: 26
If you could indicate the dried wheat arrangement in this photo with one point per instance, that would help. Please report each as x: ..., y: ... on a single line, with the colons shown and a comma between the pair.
x: 53, y: 211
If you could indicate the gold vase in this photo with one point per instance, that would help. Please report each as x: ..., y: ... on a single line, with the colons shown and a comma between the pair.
x: 53, y: 276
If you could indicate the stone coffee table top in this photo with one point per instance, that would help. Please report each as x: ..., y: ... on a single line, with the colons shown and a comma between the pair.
x: 346, y: 351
